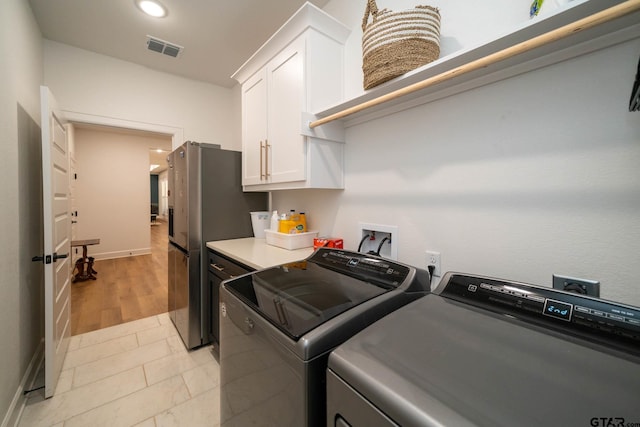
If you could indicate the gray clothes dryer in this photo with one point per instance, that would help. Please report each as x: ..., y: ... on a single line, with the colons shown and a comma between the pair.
x: 487, y: 352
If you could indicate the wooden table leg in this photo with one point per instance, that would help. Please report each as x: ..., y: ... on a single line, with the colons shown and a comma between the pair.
x: 79, y: 276
x: 90, y: 270
x: 84, y: 274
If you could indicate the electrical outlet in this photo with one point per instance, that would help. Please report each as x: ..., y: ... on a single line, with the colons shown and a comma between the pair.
x: 579, y: 286
x: 433, y: 258
x: 378, y: 239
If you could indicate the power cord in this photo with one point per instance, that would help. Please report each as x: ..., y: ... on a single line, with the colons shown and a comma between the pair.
x: 431, y: 269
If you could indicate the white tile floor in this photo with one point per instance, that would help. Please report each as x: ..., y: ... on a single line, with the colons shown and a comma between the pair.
x: 134, y: 374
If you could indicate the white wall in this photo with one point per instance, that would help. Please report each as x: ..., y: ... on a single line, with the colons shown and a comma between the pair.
x: 21, y: 287
x: 90, y: 83
x: 527, y: 177
x: 236, y: 110
x: 113, y: 190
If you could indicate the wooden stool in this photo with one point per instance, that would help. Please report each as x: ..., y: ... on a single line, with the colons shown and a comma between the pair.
x: 83, y: 273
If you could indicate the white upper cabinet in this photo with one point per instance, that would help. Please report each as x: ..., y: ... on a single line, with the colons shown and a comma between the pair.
x: 254, y: 132
x: 297, y: 71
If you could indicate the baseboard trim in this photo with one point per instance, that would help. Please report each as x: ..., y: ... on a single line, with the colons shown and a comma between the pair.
x: 121, y: 254
x: 14, y: 413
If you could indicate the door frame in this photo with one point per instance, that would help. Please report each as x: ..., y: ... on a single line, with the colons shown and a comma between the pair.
x: 177, y: 134
x: 76, y: 118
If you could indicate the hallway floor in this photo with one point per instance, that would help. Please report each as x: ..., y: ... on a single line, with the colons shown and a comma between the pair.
x: 126, y: 289
x: 132, y: 374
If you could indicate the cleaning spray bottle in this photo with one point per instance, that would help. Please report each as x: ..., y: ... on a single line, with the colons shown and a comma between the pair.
x: 273, y: 226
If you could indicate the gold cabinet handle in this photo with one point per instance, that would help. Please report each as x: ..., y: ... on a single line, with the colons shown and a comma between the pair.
x: 261, y: 162
x: 266, y: 158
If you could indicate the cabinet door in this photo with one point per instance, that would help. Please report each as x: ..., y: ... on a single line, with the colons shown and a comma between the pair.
x: 219, y: 268
x: 287, y: 147
x: 254, y: 128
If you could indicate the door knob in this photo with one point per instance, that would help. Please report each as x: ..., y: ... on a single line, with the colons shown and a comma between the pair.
x: 61, y: 256
x: 46, y: 259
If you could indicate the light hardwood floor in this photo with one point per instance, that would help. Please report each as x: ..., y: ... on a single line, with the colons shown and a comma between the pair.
x: 126, y: 289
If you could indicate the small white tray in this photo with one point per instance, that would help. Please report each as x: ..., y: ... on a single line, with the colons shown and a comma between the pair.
x: 290, y: 241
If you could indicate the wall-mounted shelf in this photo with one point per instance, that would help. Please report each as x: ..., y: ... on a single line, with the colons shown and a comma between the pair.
x: 604, y: 34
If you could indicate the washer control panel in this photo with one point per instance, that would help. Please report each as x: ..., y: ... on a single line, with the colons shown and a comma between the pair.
x: 365, y: 267
x: 568, y: 311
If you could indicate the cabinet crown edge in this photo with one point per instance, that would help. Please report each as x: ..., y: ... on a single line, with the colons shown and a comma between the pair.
x: 308, y: 16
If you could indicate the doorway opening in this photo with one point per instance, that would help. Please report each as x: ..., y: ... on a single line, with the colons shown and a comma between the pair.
x: 114, y: 204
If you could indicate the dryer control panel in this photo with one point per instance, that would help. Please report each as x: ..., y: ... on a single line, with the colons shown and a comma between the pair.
x: 614, y: 324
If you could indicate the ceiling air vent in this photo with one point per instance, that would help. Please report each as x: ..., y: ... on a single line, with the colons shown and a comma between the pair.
x: 161, y: 46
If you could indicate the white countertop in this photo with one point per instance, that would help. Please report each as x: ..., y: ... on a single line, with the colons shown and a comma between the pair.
x: 256, y: 253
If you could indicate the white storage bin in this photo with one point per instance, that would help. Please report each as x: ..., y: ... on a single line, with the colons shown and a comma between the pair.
x: 259, y: 222
x: 290, y: 241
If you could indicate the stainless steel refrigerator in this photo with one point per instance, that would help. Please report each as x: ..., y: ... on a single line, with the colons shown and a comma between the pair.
x: 206, y: 203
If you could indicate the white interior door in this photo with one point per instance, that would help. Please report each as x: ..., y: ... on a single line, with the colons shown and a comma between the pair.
x: 73, y: 189
x: 57, y: 240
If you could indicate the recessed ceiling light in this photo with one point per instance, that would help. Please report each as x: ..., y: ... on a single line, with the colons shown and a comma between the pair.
x: 152, y: 8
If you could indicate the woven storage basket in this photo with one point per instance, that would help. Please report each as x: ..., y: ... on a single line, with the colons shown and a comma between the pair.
x: 396, y: 42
